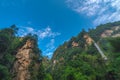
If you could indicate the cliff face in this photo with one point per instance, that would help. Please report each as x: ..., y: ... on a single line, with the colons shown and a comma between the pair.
x: 88, y: 39
x: 23, y: 60
x: 114, y: 32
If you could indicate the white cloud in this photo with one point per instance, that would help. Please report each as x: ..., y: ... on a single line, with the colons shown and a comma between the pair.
x: 89, y: 7
x: 51, y: 44
x: 49, y: 54
x: 50, y: 47
x: 43, y: 33
x: 30, y: 29
x: 47, y: 32
x: 103, y: 10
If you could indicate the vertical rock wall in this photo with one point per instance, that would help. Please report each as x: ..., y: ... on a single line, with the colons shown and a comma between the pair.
x: 23, y: 60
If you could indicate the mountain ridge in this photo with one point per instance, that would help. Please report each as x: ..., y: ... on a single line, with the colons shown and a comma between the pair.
x: 77, y: 59
x: 81, y: 49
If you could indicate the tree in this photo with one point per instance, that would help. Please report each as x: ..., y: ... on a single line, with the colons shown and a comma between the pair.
x: 115, y: 43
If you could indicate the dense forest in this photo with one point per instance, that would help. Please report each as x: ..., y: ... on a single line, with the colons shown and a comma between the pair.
x: 76, y: 59
x: 9, y: 46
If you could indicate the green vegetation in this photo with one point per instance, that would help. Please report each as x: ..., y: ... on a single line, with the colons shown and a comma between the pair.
x: 83, y: 62
x: 9, y: 46
x: 74, y: 60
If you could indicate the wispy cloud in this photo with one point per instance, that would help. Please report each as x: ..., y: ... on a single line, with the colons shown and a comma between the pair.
x: 42, y: 33
x: 103, y: 10
x: 51, y: 44
x: 50, y: 47
x: 47, y: 32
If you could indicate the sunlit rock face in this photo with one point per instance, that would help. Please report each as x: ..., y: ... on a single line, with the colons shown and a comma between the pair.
x: 88, y: 39
x: 113, y: 32
x: 106, y: 33
x: 23, y: 60
x: 75, y: 44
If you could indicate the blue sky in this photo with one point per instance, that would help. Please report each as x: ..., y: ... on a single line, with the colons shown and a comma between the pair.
x: 55, y: 21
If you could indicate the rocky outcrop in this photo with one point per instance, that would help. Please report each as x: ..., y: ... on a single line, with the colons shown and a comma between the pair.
x: 116, y: 35
x: 23, y: 60
x: 88, y: 39
x: 106, y: 33
x: 75, y: 44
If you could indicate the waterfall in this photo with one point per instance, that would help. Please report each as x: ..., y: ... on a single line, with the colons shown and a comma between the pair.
x: 100, y: 51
